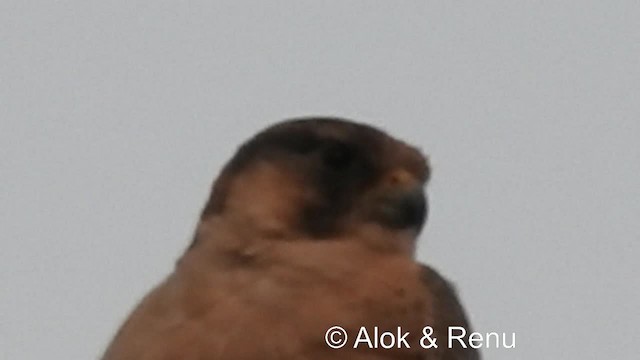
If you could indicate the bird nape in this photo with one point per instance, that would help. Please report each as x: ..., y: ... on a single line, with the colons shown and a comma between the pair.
x: 304, y: 250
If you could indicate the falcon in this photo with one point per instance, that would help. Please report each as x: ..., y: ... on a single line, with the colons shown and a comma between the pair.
x: 311, y: 225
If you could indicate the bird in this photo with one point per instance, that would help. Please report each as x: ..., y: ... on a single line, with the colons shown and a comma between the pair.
x: 312, y: 224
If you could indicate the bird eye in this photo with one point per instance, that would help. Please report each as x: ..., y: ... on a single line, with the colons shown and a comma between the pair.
x: 338, y: 156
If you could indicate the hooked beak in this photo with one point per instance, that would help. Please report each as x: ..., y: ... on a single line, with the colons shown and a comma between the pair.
x: 404, y: 208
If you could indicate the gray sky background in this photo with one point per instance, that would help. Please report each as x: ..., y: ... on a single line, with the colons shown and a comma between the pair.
x: 115, y: 116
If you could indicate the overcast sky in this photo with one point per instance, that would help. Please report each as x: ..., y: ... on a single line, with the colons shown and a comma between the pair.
x: 115, y: 117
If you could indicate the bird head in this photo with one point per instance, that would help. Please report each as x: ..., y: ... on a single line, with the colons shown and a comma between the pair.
x: 320, y: 179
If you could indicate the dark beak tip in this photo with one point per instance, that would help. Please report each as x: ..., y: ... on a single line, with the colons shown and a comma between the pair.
x: 408, y: 210
x: 415, y: 208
